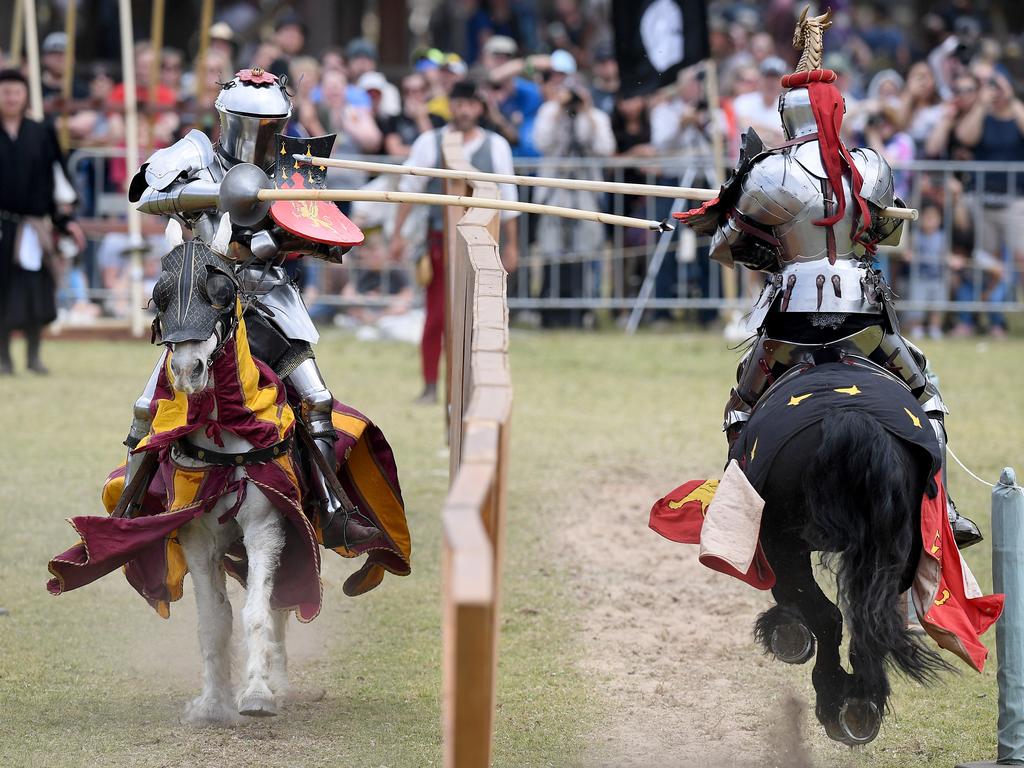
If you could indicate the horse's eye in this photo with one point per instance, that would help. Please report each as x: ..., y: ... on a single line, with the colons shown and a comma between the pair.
x: 162, y: 292
x: 220, y: 290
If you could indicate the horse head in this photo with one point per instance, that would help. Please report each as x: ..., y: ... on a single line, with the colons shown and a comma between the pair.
x: 195, y: 303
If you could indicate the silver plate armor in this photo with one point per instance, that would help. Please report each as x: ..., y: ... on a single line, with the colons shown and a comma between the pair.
x: 817, y: 268
x: 190, y: 154
x: 278, y: 293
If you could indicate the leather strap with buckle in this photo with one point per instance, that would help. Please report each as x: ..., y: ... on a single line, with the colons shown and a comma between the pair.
x: 260, y: 456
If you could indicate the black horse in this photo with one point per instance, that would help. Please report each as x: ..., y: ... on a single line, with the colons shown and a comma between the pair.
x: 842, y: 456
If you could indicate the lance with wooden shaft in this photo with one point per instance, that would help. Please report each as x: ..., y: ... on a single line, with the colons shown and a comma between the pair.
x: 245, y: 193
x: 650, y: 190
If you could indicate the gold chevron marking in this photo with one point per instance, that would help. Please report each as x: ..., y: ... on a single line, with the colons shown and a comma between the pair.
x: 851, y: 391
x: 795, y: 400
x: 913, y: 418
x: 753, y: 450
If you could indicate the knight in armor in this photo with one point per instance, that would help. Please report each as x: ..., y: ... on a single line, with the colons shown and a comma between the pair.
x: 183, y: 181
x: 808, y: 214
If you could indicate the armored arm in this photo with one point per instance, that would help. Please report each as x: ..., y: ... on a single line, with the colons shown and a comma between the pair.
x: 179, y: 179
x: 766, y: 201
x: 877, y: 188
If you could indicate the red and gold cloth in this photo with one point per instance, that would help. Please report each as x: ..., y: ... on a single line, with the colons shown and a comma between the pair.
x: 952, y: 608
x: 251, y: 402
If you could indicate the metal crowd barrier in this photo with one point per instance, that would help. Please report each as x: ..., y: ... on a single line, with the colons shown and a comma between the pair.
x: 569, y: 270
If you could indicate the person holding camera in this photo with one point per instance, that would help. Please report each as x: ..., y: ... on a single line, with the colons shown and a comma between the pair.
x: 994, y: 129
x: 569, y: 126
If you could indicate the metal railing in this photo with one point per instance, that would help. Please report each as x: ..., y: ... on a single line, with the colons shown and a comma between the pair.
x: 568, y: 269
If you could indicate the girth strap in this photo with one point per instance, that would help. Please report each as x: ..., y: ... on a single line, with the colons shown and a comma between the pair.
x: 219, y: 458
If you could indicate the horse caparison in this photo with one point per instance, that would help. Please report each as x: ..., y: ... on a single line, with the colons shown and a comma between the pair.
x: 849, y: 489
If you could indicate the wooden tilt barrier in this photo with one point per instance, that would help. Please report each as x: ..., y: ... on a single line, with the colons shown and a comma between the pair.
x: 480, y: 402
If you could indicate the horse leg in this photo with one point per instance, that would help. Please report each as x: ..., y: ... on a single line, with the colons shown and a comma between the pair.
x: 213, y: 705
x: 796, y: 590
x: 279, y: 658
x: 263, y: 531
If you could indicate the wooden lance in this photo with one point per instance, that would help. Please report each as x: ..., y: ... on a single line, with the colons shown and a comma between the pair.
x: 650, y: 190
x: 245, y: 194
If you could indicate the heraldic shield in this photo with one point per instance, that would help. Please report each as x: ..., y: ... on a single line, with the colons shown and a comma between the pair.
x: 317, y: 220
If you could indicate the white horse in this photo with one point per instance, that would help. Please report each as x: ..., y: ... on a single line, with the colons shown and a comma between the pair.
x: 205, y: 541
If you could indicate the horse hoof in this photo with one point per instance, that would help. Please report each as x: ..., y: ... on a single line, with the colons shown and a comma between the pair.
x: 792, y: 643
x: 205, y: 711
x: 257, y: 706
x: 860, y: 720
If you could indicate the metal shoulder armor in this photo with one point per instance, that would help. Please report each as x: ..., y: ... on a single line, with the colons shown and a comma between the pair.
x: 186, y: 157
x: 775, y: 191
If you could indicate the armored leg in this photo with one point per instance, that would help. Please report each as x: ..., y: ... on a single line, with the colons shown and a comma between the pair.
x: 337, y: 524
x: 965, y: 530
x: 142, y: 419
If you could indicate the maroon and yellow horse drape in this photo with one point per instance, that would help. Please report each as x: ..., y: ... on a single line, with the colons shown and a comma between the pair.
x: 251, y: 402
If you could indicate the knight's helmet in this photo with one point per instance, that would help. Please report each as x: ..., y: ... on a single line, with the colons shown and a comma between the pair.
x: 254, y: 105
x: 795, y: 102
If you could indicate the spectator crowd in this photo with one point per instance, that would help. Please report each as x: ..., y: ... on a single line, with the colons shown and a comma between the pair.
x: 943, y: 88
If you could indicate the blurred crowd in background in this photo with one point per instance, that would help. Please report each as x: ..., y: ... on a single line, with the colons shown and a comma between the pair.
x: 943, y: 87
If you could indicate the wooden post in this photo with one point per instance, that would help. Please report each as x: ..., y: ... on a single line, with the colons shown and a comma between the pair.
x: 17, y: 32
x: 730, y: 277
x: 156, y: 39
x: 35, y: 85
x: 131, y: 130
x: 205, y: 22
x: 67, y: 84
x: 473, y: 515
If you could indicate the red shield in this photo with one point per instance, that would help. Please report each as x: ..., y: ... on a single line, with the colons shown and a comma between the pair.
x: 316, y: 220
x: 319, y: 221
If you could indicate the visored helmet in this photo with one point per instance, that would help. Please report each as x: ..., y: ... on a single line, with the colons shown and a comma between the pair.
x: 254, y: 105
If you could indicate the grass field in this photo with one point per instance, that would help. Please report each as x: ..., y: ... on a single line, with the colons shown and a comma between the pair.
x: 95, y: 677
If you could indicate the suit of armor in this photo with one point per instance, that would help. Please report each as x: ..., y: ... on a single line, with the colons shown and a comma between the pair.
x: 821, y: 291
x: 183, y: 181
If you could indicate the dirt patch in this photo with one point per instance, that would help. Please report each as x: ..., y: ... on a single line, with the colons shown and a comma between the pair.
x: 669, y: 643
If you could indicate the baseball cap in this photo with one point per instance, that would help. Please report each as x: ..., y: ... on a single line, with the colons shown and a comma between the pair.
x: 290, y: 20
x: 773, y: 65
x: 454, y: 63
x: 604, y: 51
x: 55, y: 42
x: 562, y: 61
x: 360, y: 48
x: 373, y: 81
x: 500, y: 45
x: 222, y: 31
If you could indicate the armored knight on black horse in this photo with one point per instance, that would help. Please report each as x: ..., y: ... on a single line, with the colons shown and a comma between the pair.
x: 808, y: 213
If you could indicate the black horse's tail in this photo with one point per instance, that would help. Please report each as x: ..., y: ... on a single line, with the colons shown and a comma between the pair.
x: 860, y: 495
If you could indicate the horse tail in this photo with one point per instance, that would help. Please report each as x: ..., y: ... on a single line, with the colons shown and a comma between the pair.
x: 867, y: 517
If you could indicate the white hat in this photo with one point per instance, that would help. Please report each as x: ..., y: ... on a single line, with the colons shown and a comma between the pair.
x: 562, y: 61
x: 373, y: 81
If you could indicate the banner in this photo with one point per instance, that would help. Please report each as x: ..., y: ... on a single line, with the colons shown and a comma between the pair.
x: 654, y: 39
